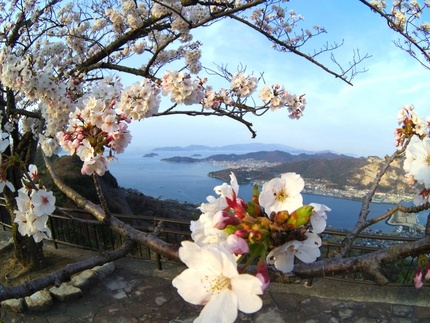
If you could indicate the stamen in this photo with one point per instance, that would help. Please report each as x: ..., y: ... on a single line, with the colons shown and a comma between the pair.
x: 217, y: 284
x: 280, y: 196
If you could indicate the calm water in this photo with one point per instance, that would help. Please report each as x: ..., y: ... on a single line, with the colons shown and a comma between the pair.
x: 188, y: 182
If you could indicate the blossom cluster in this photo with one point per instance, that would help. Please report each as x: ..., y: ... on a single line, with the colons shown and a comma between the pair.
x: 92, y: 130
x: 34, y: 205
x: 275, y: 97
x: 243, y: 86
x: 414, y: 133
x: 182, y: 89
x: 19, y: 73
x: 410, y: 124
x: 272, y: 229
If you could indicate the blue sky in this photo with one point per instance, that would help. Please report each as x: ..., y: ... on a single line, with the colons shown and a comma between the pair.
x: 358, y: 119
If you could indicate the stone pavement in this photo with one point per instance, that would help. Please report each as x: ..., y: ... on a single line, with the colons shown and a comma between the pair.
x: 137, y: 292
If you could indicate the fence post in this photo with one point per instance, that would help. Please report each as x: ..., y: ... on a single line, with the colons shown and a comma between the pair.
x: 159, y: 264
x: 53, y: 233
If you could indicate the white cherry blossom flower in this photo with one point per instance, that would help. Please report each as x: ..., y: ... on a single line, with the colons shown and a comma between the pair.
x: 282, y: 194
x: 204, y: 232
x: 319, y: 217
x: 96, y: 164
x: 417, y: 161
x: 32, y: 169
x: 212, y: 279
x: 224, y: 190
x: 307, y: 251
x: 43, y: 202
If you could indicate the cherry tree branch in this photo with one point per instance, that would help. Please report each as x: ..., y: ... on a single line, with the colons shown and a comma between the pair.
x: 159, y: 246
x: 368, y: 263
x: 294, y: 50
x: 410, y: 40
x: 56, y: 278
x: 362, y: 222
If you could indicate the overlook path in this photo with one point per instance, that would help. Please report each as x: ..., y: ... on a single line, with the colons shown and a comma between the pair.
x: 137, y: 292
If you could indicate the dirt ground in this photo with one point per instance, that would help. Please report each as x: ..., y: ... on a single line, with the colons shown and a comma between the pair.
x: 13, y: 274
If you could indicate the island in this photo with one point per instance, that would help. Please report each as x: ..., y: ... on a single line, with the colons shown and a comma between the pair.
x: 179, y: 159
x: 150, y: 155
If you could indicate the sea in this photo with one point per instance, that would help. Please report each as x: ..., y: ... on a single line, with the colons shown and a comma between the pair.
x: 189, y: 182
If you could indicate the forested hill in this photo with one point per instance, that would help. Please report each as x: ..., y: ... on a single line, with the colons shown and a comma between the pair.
x: 337, y: 171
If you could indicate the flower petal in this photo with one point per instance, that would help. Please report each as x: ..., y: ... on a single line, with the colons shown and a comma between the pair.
x: 247, y: 288
x: 222, y: 308
x: 189, y: 285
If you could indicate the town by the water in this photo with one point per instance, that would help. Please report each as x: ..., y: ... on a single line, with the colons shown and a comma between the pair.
x: 319, y: 186
x: 403, y: 224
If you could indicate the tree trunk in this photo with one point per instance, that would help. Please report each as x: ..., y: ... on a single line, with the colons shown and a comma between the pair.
x: 28, y: 253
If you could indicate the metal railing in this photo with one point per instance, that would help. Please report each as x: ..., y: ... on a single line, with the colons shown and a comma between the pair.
x: 96, y: 236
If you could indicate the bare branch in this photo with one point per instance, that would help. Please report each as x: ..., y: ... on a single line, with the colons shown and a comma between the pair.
x: 163, y: 248
x: 56, y: 278
x: 368, y: 263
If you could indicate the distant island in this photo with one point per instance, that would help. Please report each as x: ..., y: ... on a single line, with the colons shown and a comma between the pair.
x: 179, y: 159
x: 150, y: 155
x: 239, y: 148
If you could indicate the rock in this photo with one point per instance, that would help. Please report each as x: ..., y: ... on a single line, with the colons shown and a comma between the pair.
x: 402, y: 311
x: 66, y: 292
x: 103, y: 271
x: 84, y: 280
x: 16, y: 305
x: 39, y: 301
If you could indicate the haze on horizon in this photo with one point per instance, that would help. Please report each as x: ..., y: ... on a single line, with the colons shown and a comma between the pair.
x: 356, y: 120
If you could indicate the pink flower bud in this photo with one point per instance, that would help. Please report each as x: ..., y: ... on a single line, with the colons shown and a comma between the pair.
x: 236, y: 245
x: 418, y: 278
x: 222, y: 219
x: 263, y: 274
x: 76, y: 143
x: 427, y: 275
x: 242, y: 233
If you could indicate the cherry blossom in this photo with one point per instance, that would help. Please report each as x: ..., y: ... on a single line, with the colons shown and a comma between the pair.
x: 417, y: 163
x: 307, y: 251
x: 319, y: 217
x: 32, y: 213
x: 212, y: 280
x: 282, y: 194
x: 43, y: 202
x: 418, y: 278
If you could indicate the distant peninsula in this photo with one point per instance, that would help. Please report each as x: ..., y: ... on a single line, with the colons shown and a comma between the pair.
x: 325, y: 174
x: 275, y: 156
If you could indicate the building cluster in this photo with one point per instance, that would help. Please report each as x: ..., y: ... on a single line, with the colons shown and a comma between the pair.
x: 324, y: 187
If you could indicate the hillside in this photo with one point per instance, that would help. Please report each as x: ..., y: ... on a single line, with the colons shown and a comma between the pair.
x: 120, y: 200
x: 276, y: 156
x: 337, y: 171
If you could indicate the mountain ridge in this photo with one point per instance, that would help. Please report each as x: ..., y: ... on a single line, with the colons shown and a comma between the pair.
x: 275, y: 156
x: 252, y: 147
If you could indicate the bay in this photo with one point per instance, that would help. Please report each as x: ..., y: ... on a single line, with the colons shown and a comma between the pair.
x: 189, y: 182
